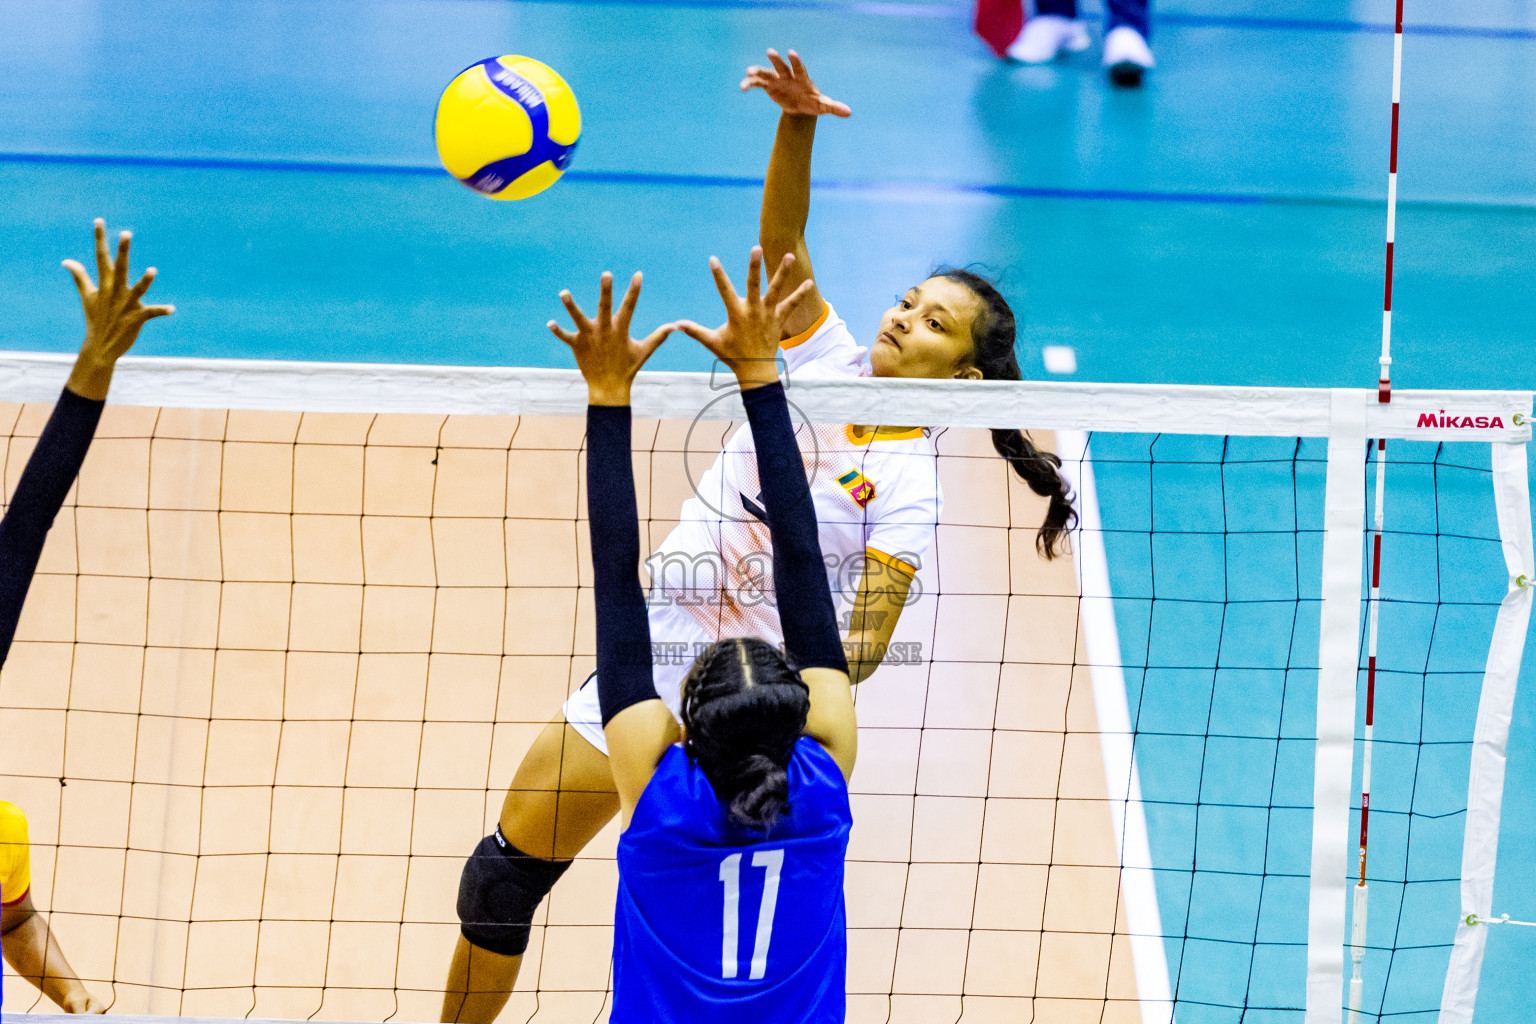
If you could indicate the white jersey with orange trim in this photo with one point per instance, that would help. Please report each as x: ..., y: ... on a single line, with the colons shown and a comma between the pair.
x: 825, y: 349
x: 877, y: 500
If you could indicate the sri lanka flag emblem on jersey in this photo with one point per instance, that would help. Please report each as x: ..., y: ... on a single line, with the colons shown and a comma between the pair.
x: 858, y: 486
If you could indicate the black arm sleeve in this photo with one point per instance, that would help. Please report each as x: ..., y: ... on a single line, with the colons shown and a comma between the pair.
x: 50, y: 473
x: 623, y: 629
x: 799, y: 574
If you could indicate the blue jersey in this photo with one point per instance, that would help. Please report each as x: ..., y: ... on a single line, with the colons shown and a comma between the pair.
x: 718, y: 924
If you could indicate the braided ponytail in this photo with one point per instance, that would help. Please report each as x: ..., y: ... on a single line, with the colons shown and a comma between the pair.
x: 992, y: 334
x: 744, y: 707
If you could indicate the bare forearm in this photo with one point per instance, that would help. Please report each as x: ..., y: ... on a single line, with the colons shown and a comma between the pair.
x: 787, y: 187
x: 865, y: 652
x: 877, y: 607
x: 59, y: 982
x: 34, y: 953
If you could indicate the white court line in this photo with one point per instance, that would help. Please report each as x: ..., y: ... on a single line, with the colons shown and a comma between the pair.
x: 1116, y: 740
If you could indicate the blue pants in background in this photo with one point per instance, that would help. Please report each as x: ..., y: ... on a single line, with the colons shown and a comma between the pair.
x: 1135, y: 13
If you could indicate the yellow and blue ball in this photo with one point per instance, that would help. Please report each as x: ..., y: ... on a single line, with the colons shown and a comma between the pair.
x: 507, y: 127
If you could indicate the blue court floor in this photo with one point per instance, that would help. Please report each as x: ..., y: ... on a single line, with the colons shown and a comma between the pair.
x: 1223, y: 225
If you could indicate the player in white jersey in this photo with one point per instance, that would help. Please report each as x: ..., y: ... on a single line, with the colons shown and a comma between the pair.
x: 877, y: 501
x: 877, y: 498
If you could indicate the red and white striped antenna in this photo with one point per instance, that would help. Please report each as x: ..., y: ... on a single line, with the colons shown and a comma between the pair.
x: 1384, y: 395
x: 1384, y: 380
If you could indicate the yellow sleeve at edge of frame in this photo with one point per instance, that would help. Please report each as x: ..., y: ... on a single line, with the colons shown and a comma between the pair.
x: 15, y: 854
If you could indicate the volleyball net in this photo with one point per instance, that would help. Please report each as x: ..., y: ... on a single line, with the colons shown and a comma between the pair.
x: 298, y: 623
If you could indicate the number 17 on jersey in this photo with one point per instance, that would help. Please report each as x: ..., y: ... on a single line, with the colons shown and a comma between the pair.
x: 730, y: 878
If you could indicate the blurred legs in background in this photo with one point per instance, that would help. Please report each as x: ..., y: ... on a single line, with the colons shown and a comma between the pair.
x: 1135, y: 13
x: 1056, y: 29
x: 1047, y: 36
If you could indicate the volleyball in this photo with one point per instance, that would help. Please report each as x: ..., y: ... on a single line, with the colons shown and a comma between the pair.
x: 507, y: 127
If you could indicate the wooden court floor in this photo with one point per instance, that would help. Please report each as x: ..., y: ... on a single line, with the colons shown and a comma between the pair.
x: 276, y: 670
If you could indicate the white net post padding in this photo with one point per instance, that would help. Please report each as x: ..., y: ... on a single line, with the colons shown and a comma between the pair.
x: 1485, y: 791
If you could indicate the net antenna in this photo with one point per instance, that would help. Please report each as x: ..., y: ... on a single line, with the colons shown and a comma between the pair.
x: 1384, y: 396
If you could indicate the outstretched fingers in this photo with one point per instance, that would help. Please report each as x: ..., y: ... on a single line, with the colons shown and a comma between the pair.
x: 82, y: 280
x: 755, y: 277
x: 605, y: 298
x: 143, y: 286
x: 103, y: 261
x: 835, y: 108
x: 780, y: 279
x: 120, y: 268
x: 758, y: 77
x: 707, y: 336
x: 147, y: 313
x: 627, y: 304
x: 651, y: 342
x: 723, y: 284
x: 783, y: 309
x: 569, y: 337
x: 577, y: 316
x: 782, y: 68
x: 826, y: 104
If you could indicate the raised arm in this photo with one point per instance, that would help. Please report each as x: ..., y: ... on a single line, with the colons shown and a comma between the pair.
x: 746, y: 344
x: 113, y: 317
x: 638, y: 726
x: 787, y: 185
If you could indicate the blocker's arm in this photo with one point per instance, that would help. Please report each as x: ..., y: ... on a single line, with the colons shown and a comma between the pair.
x: 806, y: 612
x: 113, y: 317
x: 50, y: 473
x: 637, y: 725
x: 745, y: 343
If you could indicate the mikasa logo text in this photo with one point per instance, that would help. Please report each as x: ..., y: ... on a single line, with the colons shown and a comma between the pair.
x: 1440, y: 419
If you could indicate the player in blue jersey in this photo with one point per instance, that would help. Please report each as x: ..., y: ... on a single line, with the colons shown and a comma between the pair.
x: 730, y: 904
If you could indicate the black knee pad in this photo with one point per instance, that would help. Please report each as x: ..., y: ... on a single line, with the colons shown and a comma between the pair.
x: 500, y: 889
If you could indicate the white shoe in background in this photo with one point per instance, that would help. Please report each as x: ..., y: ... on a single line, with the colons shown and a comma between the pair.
x: 1045, y: 36
x: 1126, y: 55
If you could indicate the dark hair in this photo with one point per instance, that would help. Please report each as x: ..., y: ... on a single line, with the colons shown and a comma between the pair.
x: 992, y: 335
x: 744, y: 707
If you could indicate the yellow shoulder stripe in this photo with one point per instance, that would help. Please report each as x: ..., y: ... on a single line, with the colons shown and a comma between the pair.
x: 899, y: 564
x: 854, y: 437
